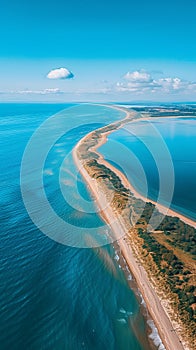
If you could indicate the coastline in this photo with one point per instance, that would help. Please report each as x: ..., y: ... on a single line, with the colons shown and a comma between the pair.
x: 161, y: 208
x: 157, y: 311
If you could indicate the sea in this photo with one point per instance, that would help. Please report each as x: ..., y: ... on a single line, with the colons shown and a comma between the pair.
x: 61, y: 288
x: 159, y: 159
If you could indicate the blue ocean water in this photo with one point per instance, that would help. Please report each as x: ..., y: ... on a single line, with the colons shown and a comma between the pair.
x: 148, y: 150
x: 54, y: 296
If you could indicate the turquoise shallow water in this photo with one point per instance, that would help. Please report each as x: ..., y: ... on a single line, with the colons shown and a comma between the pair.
x: 148, y: 152
x: 54, y: 296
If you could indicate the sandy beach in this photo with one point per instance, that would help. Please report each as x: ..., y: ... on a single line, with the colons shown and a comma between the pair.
x: 157, y: 311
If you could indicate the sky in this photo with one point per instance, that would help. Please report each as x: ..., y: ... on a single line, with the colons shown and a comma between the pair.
x: 97, y: 50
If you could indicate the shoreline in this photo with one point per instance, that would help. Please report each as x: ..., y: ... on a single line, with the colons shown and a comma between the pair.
x: 158, y: 313
x: 152, y: 333
x: 160, y: 207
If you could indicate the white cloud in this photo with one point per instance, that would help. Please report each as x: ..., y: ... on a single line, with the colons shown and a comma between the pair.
x: 60, y: 73
x: 138, y: 76
x: 141, y: 82
x: 54, y: 91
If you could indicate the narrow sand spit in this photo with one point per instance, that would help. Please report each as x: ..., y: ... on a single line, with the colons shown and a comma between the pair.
x: 159, y: 314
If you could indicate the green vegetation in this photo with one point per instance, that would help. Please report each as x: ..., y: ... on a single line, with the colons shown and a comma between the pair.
x: 175, y: 273
x: 179, y: 234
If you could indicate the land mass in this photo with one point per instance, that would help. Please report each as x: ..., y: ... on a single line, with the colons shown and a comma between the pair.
x: 161, y: 259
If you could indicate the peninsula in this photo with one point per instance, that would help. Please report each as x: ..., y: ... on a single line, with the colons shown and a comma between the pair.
x: 160, y: 260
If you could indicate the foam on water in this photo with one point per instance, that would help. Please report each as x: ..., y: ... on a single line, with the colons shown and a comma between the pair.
x: 123, y: 311
x: 155, y: 336
x: 122, y: 320
x: 116, y: 257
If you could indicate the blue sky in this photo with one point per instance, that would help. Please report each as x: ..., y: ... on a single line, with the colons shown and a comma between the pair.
x: 99, y: 42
